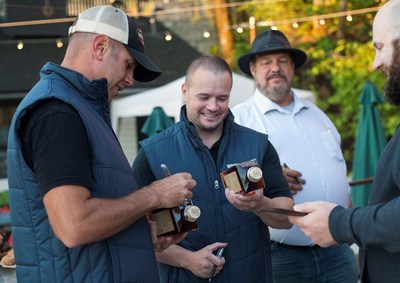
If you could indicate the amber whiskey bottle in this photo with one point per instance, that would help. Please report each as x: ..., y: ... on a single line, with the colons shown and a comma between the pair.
x: 243, y: 177
x: 175, y: 220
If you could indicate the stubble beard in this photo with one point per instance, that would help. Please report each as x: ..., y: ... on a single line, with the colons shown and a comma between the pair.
x: 392, y: 85
x: 207, y: 128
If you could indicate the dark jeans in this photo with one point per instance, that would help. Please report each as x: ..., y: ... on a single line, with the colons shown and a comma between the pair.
x: 336, y: 264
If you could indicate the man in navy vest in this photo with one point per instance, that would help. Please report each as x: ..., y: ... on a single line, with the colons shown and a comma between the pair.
x: 205, y: 142
x: 77, y: 212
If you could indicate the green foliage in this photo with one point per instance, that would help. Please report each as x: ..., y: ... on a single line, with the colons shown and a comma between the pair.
x: 336, y: 73
x: 336, y: 70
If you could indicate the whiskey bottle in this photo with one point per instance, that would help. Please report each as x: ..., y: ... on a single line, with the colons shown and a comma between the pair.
x: 175, y: 220
x: 243, y: 177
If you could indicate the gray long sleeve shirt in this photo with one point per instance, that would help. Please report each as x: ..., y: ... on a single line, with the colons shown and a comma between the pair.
x: 376, y: 228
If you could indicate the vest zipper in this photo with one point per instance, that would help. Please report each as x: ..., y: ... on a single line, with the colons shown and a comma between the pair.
x: 216, y: 185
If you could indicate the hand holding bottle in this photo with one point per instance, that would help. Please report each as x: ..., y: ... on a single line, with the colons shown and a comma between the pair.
x: 177, y: 219
x: 173, y: 191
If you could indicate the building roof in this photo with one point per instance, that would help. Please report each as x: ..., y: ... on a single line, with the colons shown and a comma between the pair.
x: 19, y: 69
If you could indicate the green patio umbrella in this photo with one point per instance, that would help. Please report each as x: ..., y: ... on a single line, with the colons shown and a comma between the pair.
x: 369, y: 144
x: 156, y: 122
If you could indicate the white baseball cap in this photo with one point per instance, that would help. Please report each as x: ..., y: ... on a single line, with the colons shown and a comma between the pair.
x: 115, y: 24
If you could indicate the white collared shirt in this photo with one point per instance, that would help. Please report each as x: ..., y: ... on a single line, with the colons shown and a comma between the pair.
x: 307, y: 141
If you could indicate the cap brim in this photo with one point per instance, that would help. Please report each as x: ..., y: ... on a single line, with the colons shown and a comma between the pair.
x: 299, y: 57
x: 146, y: 70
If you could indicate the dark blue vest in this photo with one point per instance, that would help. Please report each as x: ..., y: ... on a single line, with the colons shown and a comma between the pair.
x: 127, y: 256
x: 248, y: 253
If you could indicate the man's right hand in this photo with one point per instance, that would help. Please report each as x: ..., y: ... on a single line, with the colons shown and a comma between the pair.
x: 172, y: 191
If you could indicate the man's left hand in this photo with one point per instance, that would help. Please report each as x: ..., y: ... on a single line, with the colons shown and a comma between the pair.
x: 245, y: 201
x: 161, y: 243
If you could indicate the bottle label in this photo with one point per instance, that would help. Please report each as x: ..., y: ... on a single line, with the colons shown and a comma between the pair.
x: 243, y: 177
x: 164, y: 220
x: 231, y: 180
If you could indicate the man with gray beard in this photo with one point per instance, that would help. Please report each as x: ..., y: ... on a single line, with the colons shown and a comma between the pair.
x: 306, y: 140
x: 375, y: 228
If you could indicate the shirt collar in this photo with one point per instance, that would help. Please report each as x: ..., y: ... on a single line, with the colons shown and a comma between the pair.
x: 265, y: 105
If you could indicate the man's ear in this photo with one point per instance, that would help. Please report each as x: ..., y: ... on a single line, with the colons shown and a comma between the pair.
x: 100, y: 45
x: 252, y: 68
x: 184, y: 92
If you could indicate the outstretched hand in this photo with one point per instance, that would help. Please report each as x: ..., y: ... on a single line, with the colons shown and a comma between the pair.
x: 316, y: 223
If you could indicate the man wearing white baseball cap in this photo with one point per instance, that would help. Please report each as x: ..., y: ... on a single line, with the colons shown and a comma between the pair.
x: 76, y: 210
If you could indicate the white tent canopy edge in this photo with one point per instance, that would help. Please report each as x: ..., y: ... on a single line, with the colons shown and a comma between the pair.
x: 169, y: 97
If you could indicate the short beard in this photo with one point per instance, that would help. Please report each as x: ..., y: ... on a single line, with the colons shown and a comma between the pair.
x: 392, y: 85
x: 276, y: 94
x: 208, y: 129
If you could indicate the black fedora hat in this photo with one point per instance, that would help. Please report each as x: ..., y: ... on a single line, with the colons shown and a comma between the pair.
x: 267, y: 42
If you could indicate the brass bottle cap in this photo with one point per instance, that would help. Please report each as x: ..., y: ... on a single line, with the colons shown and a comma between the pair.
x: 254, y: 174
x: 192, y: 213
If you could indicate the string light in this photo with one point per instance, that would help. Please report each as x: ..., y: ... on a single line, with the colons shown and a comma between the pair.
x: 239, y: 28
x: 168, y: 36
x: 20, y: 45
x: 252, y: 22
x: 349, y: 18
x: 206, y: 34
x: 59, y: 43
x: 144, y: 14
x: 269, y: 23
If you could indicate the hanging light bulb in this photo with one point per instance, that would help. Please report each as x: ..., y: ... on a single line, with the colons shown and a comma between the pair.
x: 322, y: 22
x: 206, y: 34
x: 20, y: 45
x: 274, y: 28
x: 168, y: 36
x: 59, y: 43
x: 252, y: 22
x: 295, y: 25
x: 349, y: 18
x: 239, y: 30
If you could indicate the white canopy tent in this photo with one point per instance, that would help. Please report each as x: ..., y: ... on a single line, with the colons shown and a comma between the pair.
x: 169, y: 97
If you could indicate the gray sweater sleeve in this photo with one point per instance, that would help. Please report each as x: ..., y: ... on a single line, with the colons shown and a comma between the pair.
x: 376, y: 225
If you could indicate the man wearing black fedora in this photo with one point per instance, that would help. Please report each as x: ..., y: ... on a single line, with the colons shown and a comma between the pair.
x: 306, y: 140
